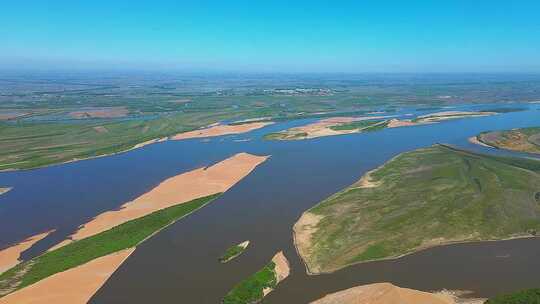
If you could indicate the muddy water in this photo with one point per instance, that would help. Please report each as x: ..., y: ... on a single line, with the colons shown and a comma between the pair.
x: 179, y: 265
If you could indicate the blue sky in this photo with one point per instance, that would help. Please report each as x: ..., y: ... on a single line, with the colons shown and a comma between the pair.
x: 273, y: 36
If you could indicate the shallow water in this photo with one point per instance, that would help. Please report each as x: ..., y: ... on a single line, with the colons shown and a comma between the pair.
x: 179, y: 265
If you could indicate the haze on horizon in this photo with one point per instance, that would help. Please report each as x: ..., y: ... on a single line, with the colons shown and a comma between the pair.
x: 273, y: 36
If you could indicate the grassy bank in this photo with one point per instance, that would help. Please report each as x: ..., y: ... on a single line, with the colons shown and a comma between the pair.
x: 124, y: 236
x: 421, y: 199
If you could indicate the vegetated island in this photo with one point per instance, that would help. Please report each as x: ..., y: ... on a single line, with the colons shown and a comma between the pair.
x: 107, y: 240
x: 521, y: 140
x: 257, y: 286
x: 5, y: 190
x: 348, y: 125
x: 420, y: 199
x: 233, y: 252
x: 386, y: 293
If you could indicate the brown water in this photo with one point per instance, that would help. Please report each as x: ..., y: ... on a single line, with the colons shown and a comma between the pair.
x: 179, y: 265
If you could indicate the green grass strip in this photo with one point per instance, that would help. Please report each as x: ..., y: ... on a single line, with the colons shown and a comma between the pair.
x: 529, y: 296
x: 231, y: 253
x: 126, y: 235
x: 251, y: 289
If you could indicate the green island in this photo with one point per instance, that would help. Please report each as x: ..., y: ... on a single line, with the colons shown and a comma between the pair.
x: 233, y: 252
x: 529, y: 296
x: 420, y: 199
x: 251, y: 290
x: 127, y: 235
x: 521, y: 140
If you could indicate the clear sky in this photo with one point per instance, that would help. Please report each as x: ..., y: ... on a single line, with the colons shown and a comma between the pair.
x: 273, y: 35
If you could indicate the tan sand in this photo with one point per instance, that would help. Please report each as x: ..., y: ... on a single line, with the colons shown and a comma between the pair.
x: 73, y: 286
x: 5, y: 190
x: 9, y: 257
x: 303, y: 230
x: 322, y: 127
x: 176, y: 190
x: 384, y: 293
x: 474, y: 140
x: 218, y: 130
x: 396, y: 123
x: 282, y: 270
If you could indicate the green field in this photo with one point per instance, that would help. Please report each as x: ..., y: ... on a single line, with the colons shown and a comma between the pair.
x: 421, y: 199
x: 530, y: 296
x: 251, y: 289
x: 127, y: 235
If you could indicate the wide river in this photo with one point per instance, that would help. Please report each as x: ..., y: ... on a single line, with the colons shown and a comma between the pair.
x: 179, y: 265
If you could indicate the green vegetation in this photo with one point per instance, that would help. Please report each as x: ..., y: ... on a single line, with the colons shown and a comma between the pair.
x: 421, y: 199
x: 530, y: 296
x: 285, y: 136
x: 355, y: 125
x: 251, y: 289
x: 124, y: 236
x: 521, y: 140
x: 233, y: 252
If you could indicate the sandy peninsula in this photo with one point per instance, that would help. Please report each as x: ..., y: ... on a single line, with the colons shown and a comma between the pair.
x: 9, y: 257
x: 175, y: 190
x: 386, y: 293
x: 218, y: 130
x: 474, y: 140
x: 73, y: 286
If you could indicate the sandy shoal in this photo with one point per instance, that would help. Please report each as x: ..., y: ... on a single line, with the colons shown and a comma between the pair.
x: 474, y: 140
x: 73, y: 286
x: 383, y: 293
x: 322, y: 127
x: 282, y: 268
x: 176, y: 190
x: 218, y: 130
x: 4, y: 190
x: 9, y: 257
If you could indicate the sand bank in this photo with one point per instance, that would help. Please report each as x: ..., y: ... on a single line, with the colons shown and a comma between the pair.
x: 5, y: 190
x: 384, y: 293
x: 323, y: 128
x: 9, y: 257
x: 73, y: 286
x: 218, y: 130
x: 282, y: 270
x: 474, y: 140
x: 303, y: 231
x: 175, y: 190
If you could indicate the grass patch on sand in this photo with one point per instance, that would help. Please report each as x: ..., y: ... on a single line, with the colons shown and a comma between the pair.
x: 355, y: 125
x: 420, y: 199
x: 123, y: 236
x: 233, y: 252
x: 521, y: 140
x: 251, y: 289
x: 529, y: 296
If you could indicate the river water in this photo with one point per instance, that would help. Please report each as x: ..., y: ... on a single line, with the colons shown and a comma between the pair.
x: 179, y: 265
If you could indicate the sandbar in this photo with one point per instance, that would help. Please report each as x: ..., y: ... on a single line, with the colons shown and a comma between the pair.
x: 386, y: 293
x: 5, y: 190
x: 218, y: 130
x: 73, y: 286
x: 9, y: 257
x: 175, y: 190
